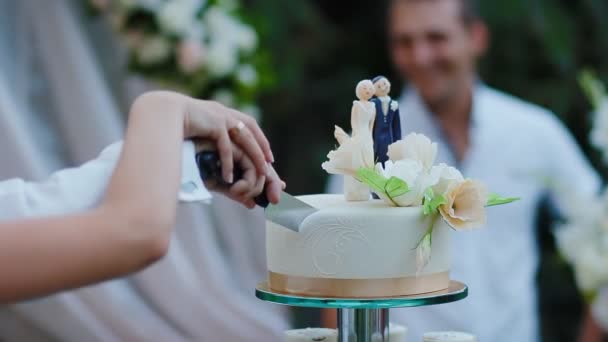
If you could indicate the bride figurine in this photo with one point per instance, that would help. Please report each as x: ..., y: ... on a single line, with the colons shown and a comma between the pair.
x: 361, y: 143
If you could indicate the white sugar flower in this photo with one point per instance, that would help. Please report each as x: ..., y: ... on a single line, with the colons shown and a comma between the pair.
x: 447, y: 176
x: 408, y: 170
x: 414, y: 146
x: 351, y: 155
x: 222, y: 59
x: 177, y: 17
x: 412, y: 172
x: 247, y: 75
x: 153, y: 50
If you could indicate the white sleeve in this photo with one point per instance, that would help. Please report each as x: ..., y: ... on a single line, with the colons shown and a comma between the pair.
x: 571, y: 173
x: 80, y: 188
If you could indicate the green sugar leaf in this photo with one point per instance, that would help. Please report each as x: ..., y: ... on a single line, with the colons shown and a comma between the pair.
x: 396, y: 187
x: 373, y: 179
x: 495, y: 199
x: 432, y: 202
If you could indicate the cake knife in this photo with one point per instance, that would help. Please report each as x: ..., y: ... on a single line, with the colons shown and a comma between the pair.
x: 290, y: 212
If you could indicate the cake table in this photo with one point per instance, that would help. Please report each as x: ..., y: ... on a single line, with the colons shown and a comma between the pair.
x: 364, y: 319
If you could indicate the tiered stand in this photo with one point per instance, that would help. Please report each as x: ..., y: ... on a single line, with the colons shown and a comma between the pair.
x: 364, y: 320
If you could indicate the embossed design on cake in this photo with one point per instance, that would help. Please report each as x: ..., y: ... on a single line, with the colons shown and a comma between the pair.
x: 330, y: 243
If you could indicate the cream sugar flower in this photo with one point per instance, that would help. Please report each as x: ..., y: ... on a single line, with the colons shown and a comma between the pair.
x: 352, y: 155
x: 465, y: 205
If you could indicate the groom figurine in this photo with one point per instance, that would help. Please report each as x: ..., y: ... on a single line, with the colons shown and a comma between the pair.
x: 387, y: 126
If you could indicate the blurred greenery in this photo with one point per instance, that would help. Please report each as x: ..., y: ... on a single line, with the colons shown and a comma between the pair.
x: 322, y: 48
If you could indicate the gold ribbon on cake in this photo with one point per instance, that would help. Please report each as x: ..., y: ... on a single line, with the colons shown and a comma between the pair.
x: 358, y: 288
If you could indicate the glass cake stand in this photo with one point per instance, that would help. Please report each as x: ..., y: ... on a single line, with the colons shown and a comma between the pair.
x: 364, y: 319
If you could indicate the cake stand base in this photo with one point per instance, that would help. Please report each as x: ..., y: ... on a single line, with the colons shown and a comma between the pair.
x: 364, y: 319
x: 363, y: 325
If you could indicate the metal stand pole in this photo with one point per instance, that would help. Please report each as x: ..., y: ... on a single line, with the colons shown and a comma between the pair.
x: 363, y: 325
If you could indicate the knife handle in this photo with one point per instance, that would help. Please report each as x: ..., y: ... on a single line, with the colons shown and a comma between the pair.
x: 210, y: 168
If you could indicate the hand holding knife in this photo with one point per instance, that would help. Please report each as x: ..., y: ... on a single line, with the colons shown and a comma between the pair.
x: 289, y: 212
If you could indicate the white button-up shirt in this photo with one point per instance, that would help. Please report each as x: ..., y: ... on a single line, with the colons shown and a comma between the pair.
x: 81, y: 188
x: 516, y: 149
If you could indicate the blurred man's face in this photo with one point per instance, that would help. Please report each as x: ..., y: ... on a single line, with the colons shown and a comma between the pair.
x: 433, y: 47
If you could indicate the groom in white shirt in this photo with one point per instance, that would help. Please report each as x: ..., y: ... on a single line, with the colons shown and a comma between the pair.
x: 512, y: 146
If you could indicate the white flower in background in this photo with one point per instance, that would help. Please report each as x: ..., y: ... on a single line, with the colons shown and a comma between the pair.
x: 447, y: 176
x: 190, y: 54
x: 219, y: 22
x: 222, y: 59
x: 599, y: 132
x: 414, y: 146
x: 228, y: 30
x: 247, y: 75
x: 247, y: 38
x: 153, y: 50
x: 177, y: 16
x: 224, y: 96
x: 465, y: 205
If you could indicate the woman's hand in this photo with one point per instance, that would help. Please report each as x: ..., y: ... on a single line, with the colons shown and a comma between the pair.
x: 238, y: 139
x: 225, y: 126
x: 250, y: 185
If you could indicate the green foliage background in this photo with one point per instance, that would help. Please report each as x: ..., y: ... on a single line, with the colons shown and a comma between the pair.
x: 322, y: 48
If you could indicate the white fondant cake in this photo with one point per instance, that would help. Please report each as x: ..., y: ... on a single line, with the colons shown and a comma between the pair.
x: 356, y: 249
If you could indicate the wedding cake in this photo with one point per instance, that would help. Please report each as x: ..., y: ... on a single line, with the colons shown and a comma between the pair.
x: 395, y: 245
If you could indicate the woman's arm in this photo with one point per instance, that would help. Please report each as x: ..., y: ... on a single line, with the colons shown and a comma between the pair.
x: 131, y: 227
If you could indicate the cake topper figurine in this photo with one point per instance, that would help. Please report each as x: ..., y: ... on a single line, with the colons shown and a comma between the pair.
x: 387, y: 127
x: 357, y: 150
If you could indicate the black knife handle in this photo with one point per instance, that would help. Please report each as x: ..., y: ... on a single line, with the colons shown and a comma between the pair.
x: 210, y: 168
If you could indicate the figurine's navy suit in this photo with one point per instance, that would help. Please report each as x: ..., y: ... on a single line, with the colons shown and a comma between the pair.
x: 387, y: 129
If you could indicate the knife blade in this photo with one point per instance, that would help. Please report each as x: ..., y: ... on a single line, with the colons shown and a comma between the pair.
x: 290, y: 212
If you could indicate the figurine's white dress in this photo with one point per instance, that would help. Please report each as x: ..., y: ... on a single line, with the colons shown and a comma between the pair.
x: 363, y: 114
x: 362, y: 119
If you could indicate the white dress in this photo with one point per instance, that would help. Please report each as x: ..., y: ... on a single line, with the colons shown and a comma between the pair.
x: 363, y: 114
x: 56, y: 110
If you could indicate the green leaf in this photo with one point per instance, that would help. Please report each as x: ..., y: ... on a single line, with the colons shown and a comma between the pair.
x: 495, y: 199
x: 396, y: 187
x: 432, y: 202
x: 373, y: 179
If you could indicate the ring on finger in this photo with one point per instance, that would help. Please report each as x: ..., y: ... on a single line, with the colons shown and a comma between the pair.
x: 236, y: 130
